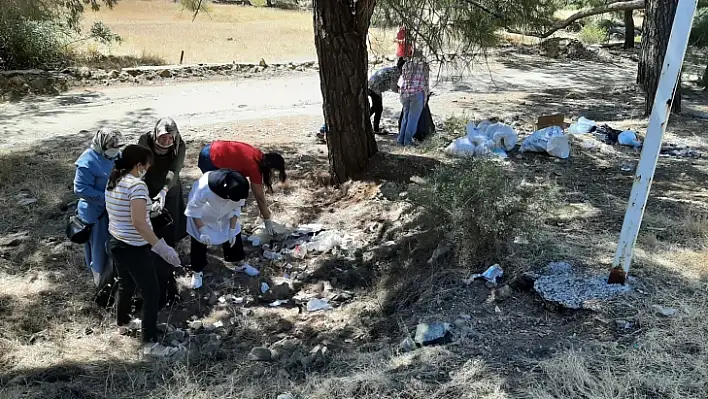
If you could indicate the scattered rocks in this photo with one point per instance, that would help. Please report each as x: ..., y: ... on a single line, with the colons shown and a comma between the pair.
x: 165, y: 73
x: 666, y: 312
x: 574, y: 289
x: 260, y: 354
x: 431, y: 333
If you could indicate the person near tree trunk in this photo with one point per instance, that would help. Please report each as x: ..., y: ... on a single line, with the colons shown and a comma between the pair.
x: 213, y: 210
x: 382, y: 80
x: 249, y: 161
x: 404, y: 49
x: 414, y: 88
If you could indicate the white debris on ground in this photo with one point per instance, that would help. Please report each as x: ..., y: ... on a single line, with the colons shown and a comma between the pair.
x: 484, y: 139
x: 568, y: 287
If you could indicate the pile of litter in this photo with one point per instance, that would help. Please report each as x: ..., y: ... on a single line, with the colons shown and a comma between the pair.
x: 484, y: 139
x: 675, y: 150
x: 574, y: 289
x: 296, y: 243
x: 605, y: 133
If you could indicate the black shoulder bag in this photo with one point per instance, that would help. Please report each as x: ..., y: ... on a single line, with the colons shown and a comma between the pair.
x: 78, y: 231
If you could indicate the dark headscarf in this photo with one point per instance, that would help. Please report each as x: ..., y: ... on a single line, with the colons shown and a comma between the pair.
x: 228, y: 184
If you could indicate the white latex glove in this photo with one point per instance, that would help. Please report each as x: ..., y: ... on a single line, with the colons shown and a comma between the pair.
x: 204, y: 238
x: 167, y: 253
x: 158, y: 203
x: 269, y: 227
x: 232, y: 233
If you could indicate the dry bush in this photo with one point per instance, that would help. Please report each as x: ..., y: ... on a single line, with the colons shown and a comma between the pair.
x: 482, y: 206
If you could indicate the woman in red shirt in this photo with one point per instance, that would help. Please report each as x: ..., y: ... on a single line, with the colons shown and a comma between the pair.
x: 404, y: 48
x: 250, y: 162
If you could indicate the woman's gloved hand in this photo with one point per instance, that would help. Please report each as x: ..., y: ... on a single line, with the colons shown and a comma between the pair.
x: 158, y: 203
x: 167, y: 253
x: 204, y: 238
x: 233, y: 233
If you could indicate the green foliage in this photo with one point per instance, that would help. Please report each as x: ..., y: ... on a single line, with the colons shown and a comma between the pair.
x: 35, y: 33
x: 482, y: 206
x: 699, y: 31
x: 593, y: 33
x: 463, y: 27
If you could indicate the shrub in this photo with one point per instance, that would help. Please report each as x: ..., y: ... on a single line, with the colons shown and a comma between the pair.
x: 593, y: 34
x: 699, y: 31
x: 28, y: 44
x: 482, y: 206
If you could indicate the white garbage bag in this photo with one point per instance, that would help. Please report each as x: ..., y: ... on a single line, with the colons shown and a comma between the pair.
x: 629, y: 138
x: 503, y: 135
x: 461, y: 147
x: 581, y: 126
x: 551, y: 140
x: 483, y: 126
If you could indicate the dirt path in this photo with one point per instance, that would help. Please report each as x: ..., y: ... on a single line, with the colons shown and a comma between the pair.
x: 195, y: 104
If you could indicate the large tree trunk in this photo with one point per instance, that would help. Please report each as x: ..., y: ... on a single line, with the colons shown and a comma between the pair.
x: 629, y: 29
x: 704, y: 80
x: 658, y: 20
x: 341, y: 27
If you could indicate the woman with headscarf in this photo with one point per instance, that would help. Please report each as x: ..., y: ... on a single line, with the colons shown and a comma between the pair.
x: 250, y: 162
x: 165, y: 189
x: 92, y: 170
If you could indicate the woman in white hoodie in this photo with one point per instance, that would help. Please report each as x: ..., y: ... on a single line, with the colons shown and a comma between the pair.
x: 213, y: 210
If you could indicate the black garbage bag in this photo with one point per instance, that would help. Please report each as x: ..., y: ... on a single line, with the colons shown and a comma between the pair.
x: 426, y: 126
x: 610, y: 133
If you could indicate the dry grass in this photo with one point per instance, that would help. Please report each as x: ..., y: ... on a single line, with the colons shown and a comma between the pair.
x: 160, y: 28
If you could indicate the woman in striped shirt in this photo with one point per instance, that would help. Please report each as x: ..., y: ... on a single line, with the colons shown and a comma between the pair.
x: 131, y: 242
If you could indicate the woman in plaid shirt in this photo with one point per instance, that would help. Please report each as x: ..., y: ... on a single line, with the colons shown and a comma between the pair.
x: 414, y: 88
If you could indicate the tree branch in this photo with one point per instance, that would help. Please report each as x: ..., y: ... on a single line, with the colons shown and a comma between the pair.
x: 619, y: 6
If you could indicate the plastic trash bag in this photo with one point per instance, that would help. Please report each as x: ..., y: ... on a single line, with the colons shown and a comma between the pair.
x: 550, y: 140
x: 629, y: 138
x: 503, y: 135
x: 482, y: 127
x: 461, y: 147
x: 582, y: 126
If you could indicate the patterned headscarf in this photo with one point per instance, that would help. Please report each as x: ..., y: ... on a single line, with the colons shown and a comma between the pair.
x: 106, y: 138
x: 166, y: 125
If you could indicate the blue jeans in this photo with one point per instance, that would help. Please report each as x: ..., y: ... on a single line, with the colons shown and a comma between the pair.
x: 412, y: 109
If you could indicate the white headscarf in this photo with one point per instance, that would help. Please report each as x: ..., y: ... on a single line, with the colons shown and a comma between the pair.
x: 166, y: 125
x: 106, y: 138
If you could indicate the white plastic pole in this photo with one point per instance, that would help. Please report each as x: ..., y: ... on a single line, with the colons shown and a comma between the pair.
x: 675, y: 53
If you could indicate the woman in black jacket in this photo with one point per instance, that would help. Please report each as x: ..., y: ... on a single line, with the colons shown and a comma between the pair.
x: 165, y: 189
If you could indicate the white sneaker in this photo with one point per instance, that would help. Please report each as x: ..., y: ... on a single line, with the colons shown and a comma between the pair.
x: 197, y: 280
x: 158, y: 350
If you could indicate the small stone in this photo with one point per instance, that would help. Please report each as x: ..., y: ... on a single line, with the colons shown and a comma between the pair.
x: 460, y: 323
x: 15, y: 239
x: 113, y: 74
x: 666, y: 312
x: 165, y: 73
x: 432, y: 333
x: 623, y: 324
x: 284, y: 325
x: 503, y: 293
x: 260, y: 354
x: 407, y: 345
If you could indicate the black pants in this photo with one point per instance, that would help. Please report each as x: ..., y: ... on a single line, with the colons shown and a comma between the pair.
x: 376, y: 110
x: 136, y: 269
x: 198, y: 254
